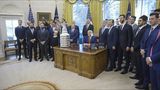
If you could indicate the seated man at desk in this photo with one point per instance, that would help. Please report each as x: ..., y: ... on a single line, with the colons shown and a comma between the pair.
x: 89, y: 39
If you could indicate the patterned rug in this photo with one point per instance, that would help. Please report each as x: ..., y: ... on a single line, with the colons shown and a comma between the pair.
x: 34, y: 85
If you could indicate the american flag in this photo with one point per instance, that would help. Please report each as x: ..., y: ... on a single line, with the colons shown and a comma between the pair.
x: 128, y: 10
x: 30, y: 15
x: 56, y: 13
x: 89, y: 14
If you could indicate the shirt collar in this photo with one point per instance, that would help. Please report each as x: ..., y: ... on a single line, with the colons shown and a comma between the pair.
x: 154, y: 26
x: 142, y: 26
x: 110, y: 27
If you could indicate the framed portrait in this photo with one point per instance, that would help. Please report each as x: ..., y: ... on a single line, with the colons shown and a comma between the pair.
x: 43, y: 16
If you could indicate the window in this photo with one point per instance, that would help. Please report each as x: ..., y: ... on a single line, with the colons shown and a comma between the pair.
x: 10, y: 27
x: 80, y: 14
x: 144, y: 7
x: 111, y: 9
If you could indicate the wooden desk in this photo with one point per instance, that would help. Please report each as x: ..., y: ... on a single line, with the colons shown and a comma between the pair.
x: 87, y: 63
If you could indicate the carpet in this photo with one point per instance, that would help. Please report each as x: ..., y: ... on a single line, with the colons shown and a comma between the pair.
x: 34, y: 85
x: 15, y: 72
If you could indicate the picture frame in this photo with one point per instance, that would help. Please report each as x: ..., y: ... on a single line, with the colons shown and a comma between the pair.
x: 43, y: 15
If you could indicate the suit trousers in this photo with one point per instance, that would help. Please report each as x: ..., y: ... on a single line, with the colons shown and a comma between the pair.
x: 155, y: 76
x: 112, y: 58
x: 20, y: 48
x: 146, y: 72
x: 123, y: 53
x: 44, y: 51
x: 138, y: 65
x: 34, y: 47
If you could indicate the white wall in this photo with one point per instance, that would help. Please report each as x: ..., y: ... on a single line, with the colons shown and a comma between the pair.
x: 21, y: 8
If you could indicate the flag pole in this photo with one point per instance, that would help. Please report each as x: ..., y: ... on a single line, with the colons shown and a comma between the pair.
x: 29, y: 1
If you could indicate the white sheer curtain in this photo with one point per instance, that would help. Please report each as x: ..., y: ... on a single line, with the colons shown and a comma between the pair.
x: 144, y: 7
x: 111, y: 9
x: 80, y: 13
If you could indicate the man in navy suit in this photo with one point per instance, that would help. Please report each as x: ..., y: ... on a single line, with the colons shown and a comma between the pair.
x: 135, y: 49
x: 112, y: 39
x: 87, y: 26
x: 148, y: 39
x: 43, y: 36
x: 131, y: 21
x: 153, y: 60
x: 73, y: 30
x: 21, y: 39
x: 125, y: 41
x: 153, y: 57
x: 31, y: 35
x: 103, y: 34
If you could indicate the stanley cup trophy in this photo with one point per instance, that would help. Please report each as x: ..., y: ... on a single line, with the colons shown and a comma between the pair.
x: 64, y: 37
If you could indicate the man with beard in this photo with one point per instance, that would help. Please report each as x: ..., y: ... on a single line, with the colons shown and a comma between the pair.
x: 135, y: 49
x: 125, y: 40
x: 31, y: 35
x: 148, y: 39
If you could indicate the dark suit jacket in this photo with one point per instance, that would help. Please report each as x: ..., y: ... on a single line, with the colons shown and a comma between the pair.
x: 151, y: 39
x: 148, y: 39
x: 155, y: 57
x: 85, y: 29
x: 30, y: 36
x: 125, y: 36
x: 112, y: 37
x: 76, y: 27
x: 20, y: 32
x: 86, y: 39
x: 43, y: 36
x: 74, y: 35
x: 103, y: 36
x: 137, y: 38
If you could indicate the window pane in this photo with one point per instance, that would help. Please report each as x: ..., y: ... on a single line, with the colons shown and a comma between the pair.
x: 111, y: 9
x: 10, y: 27
x: 80, y: 14
x: 144, y: 7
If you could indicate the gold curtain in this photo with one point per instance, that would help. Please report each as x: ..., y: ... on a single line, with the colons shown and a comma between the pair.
x: 68, y: 15
x: 158, y: 4
x: 124, y: 6
x: 96, y: 14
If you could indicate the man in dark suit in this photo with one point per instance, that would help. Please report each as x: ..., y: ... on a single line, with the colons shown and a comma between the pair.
x: 103, y: 31
x: 38, y: 43
x: 112, y: 39
x: 21, y: 39
x: 135, y: 49
x: 31, y: 35
x: 43, y: 36
x: 73, y: 30
x: 87, y: 26
x: 153, y: 60
x: 125, y: 40
x: 148, y: 39
x: 131, y: 21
